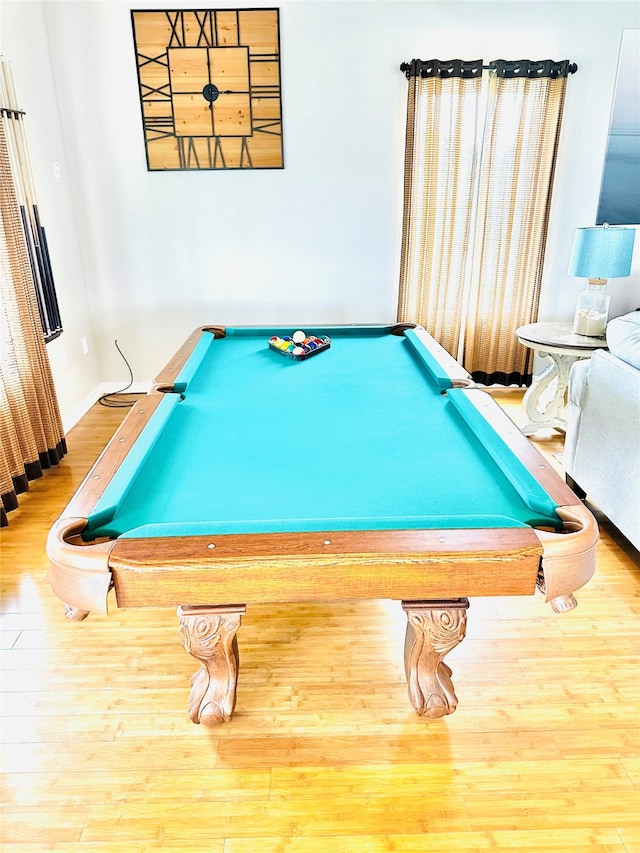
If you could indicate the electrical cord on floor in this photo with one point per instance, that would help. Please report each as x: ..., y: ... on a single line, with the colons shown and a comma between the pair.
x: 111, y: 401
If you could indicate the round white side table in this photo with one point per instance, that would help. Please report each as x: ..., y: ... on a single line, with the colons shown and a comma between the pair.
x: 558, y: 342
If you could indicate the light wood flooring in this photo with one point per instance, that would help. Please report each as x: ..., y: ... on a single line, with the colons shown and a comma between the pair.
x: 324, y: 754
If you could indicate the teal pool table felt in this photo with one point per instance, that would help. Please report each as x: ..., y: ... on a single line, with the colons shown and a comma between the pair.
x: 362, y: 436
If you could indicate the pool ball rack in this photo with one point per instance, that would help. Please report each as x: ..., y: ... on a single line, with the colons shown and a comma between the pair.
x: 299, y: 349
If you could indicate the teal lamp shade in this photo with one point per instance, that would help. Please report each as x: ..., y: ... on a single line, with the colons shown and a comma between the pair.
x: 602, y: 252
x: 598, y: 254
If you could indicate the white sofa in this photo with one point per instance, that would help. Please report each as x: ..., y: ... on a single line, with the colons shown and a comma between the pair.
x: 602, y: 443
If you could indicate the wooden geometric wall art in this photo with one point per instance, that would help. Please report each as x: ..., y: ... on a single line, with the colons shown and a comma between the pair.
x: 209, y: 83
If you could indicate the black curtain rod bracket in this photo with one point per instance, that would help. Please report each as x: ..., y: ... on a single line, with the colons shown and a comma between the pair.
x: 500, y: 67
x: 10, y: 111
x: 442, y: 68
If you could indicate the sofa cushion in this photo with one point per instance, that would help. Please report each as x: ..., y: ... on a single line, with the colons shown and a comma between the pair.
x: 623, y: 338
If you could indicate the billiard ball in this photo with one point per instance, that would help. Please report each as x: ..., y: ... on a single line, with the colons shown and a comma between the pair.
x: 298, y: 337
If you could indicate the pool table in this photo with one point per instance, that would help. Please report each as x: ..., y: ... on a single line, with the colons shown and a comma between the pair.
x: 373, y: 469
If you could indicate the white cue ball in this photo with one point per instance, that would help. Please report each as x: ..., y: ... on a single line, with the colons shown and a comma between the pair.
x: 298, y: 337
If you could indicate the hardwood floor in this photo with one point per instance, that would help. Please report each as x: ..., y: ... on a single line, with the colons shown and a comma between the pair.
x: 325, y: 754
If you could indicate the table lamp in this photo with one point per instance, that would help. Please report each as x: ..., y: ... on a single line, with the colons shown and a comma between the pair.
x: 598, y: 254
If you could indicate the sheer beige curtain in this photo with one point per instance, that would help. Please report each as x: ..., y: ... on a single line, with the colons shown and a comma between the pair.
x: 31, y: 433
x: 479, y: 163
x: 443, y: 126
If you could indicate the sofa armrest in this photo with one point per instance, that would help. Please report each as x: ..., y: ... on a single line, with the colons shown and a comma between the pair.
x: 578, y: 391
x: 623, y: 338
x: 604, y: 442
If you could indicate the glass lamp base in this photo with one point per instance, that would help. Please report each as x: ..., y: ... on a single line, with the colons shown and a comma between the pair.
x: 592, y: 311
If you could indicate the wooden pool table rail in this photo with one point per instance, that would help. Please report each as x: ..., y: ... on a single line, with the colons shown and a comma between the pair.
x: 569, y: 559
x: 281, y: 567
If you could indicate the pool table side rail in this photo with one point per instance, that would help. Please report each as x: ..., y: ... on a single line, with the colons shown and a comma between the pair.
x: 165, y: 380
x: 569, y: 558
x: 522, y: 448
x: 110, y: 460
x: 449, y: 373
x: 79, y: 574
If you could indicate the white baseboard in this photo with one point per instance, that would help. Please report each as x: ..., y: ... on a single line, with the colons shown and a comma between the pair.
x: 71, y: 418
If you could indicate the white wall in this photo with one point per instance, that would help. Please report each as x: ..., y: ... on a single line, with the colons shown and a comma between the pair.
x: 156, y: 253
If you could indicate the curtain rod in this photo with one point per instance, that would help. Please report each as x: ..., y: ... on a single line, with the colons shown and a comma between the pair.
x: 469, y: 68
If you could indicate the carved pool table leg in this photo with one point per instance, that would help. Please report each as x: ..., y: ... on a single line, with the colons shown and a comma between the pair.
x: 561, y: 603
x: 564, y: 603
x: 74, y: 614
x: 208, y: 633
x: 433, y: 629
